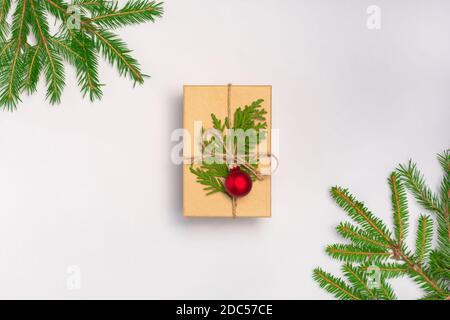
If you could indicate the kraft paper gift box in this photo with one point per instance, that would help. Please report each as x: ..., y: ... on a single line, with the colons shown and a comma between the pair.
x: 199, y: 103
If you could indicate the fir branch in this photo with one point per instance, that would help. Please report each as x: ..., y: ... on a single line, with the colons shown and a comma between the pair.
x: 385, y: 291
x: 5, y: 5
x: 134, y: 12
x: 92, y: 6
x: 422, y: 276
x: 63, y: 48
x: 4, y: 9
x: 424, y: 281
x: 373, y: 247
x: 22, y: 64
x: 360, y: 237
x: 444, y: 219
x: 424, y: 237
x: 210, y: 176
x: 116, y: 52
x: 439, y: 267
x: 5, y: 46
x: 444, y: 160
x: 358, y: 279
x: 34, y: 67
x: 360, y: 254
x: 12, y: 79
x: 57, y: 8
x: 415, y: 182
x: 335, y: 286
x: 360, y: 214
x: 87, y: 67
x: 54, y: 69
x: 363, y: 286
x: 388, y: 269
x: 431, y: 296
x: 399, y: 207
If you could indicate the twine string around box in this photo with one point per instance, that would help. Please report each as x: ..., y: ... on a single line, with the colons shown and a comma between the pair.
x: 231, y: 155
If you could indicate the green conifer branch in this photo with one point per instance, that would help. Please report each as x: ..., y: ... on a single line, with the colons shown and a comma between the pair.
x: 360, y: 237
x: 358, y: 279
x: 360, y: 214
x: 13, y: 74
x: 4, y: 9
x: 415, y: 182
x: 22, y: 64
x: 399, y: 207
x: 134, y: 12
x: 439, y: 267
x: 389, y: 270
x: 352, y: 253
x: 373, y: 247
x: 443, y: 218
x: 424, y: 237
x: 34, y: 63
x: 53, y: 68
x: 336, y: 286
x: 385, y: 291
x: 439, y: 264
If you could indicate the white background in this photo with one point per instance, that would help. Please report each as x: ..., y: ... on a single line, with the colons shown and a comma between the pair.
x: 92, y: 185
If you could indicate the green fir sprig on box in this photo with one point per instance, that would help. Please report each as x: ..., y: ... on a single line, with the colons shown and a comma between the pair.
x: 374, y: 247
x: 252, y: 118
x: 29, y: 50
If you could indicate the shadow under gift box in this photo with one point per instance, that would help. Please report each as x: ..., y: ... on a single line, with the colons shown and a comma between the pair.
x: 199, y: 102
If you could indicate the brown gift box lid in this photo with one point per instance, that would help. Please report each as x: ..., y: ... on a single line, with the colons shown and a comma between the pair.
x: 199, y: 102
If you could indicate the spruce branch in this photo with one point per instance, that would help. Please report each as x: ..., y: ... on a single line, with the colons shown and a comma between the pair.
x: 87, y: 68
x: 64, y: 49
x: 53, y: 68
x: 424, y: 237
x: 385, y: 291
x: 22, y: 64
x: 443, y: 218
x: 12, y: 79
x: 116, y: 52
x: 373, y: 247
x: 353, y: 253
x: 4, y: 25
x: 360, y: 214
x: 439, y: 265
x: 361, y: 237
x: 389, y: 270
x: 359, y: 281
x: 336, y: 286
x: 415, y: 182
x: 134, y: 12
x: 91, y: 5
x: 399, y: 207
x: 34, y: 63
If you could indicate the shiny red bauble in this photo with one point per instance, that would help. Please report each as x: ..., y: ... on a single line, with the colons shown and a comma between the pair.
x: 238, y: 183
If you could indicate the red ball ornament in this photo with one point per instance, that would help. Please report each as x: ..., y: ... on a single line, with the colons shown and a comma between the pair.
x: 238, y: 183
